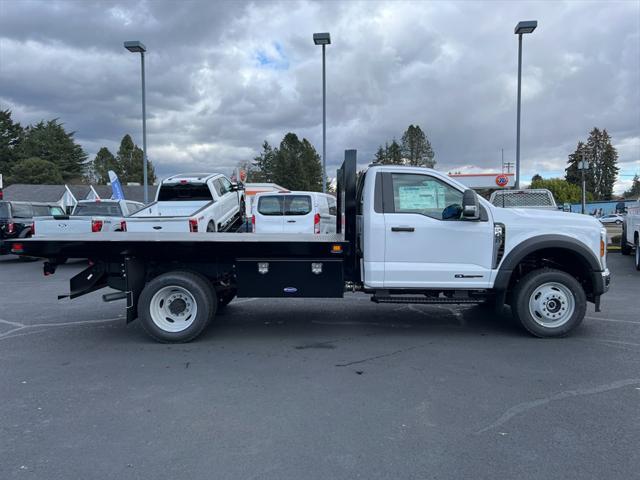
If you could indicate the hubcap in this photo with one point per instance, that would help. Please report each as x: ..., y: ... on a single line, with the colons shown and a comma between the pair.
x: 173, y: 309
x: 551, y: 304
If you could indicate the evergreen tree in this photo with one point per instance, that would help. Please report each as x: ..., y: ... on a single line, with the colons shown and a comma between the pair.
x: 380, y: 156
x: 49, y: 141
x: 294, y: 165
x: 534, y: 179
x: 101, y: 165
x: 130, y: 163
x: 394, y: 154
x: 36, y: 171
x: 416, y: 148
x: 262, y: 169
x: 11, y: 134
x: 634, y: 191
x: 602, y: 159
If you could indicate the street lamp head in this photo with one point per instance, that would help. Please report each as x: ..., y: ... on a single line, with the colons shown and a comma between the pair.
x: 135, y: 46
x: 527, y: 26
x: 322, y: 38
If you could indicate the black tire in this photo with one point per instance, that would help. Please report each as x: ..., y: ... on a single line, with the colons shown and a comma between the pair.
x: 225, y: 297
x: 211, y: 227
x: 637, y: 257
x: 243, y: 209
x: 625, y: 249
x: 529, y: 284
x: 202, y: 293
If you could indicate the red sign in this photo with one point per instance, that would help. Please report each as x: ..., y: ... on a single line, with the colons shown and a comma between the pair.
x: 502, y: 180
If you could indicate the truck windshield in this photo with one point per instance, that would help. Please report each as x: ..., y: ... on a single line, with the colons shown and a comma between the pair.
x: 185, y: 192
x: 98, y: 208
x: 274, y: 205
x: 4, y: 210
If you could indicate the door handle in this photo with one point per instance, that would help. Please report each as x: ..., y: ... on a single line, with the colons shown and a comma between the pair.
x: 291, y: 221
x: 403, y: 229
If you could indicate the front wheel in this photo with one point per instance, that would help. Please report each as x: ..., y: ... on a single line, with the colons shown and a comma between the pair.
x: 549, y: 303
x: 176, y: 307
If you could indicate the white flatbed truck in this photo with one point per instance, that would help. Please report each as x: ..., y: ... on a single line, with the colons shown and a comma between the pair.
x: 410, y: 235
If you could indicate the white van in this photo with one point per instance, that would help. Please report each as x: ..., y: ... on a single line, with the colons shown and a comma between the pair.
x: 294, y: 212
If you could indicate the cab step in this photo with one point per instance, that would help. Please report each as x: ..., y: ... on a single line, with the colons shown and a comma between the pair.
x: 426, y: 300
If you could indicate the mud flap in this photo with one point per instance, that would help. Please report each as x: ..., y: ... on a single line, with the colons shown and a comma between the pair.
x: 134, y: 271
x: 89, y: 280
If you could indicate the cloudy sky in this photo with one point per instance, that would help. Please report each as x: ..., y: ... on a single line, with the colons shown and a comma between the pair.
x: 224, y: 76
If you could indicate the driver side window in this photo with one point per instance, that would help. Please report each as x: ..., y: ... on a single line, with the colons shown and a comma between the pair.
x: 426, y: 195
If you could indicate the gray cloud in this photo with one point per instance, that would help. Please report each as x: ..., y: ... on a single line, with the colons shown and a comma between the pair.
x: 223, y: 76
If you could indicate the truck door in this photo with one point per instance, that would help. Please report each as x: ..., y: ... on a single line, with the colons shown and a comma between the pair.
x: 425, y: 250
x: 219, y: 208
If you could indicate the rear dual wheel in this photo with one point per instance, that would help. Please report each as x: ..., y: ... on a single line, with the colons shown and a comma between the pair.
x: 176, y: 307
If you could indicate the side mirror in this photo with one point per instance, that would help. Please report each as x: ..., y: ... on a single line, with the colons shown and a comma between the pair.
x: 470, y: 205
x: 237, y: 186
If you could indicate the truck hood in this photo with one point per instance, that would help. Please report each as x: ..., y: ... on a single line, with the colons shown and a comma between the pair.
x: 524, y: 224
x: 553, y: 217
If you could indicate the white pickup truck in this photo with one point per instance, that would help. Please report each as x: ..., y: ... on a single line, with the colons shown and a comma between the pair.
x: 410, y: 235
x: 630, y: 239
x: 88, y: 216
x: 195, y: 202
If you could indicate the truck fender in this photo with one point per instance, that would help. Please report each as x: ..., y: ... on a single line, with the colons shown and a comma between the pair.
x: 541, y: 242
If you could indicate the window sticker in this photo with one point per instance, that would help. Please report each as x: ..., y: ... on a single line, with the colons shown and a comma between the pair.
x: 420, y: 197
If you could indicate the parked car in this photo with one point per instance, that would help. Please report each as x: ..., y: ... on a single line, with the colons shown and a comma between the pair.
x: 613, y: 218
x: 16, y: 219
x: 630, y: 239
x: 89, y: 216
x: 192, y: 202
x: 294, y: 212
x: 539, y: 198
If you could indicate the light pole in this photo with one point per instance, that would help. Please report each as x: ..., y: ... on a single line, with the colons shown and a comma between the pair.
x: 583, y: 166
x: 138, y: 47
x: 323, y: 39
x: 521, y: 28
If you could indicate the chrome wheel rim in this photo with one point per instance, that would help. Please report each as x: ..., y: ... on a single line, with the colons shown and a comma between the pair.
x: 551, y: 305
x: 173, y: 309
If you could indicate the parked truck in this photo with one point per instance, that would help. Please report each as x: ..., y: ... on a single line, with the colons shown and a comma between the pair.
x: 411, y: 235
x: 88, y: 216
x: 196, y: 202
x: 630, y: 238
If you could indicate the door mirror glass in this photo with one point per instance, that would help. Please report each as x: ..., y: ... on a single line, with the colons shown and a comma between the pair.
x: 470, y: 205
x: 452, y: 212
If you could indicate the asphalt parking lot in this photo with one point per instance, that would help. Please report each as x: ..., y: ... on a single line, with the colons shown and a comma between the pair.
x: 314, y: 389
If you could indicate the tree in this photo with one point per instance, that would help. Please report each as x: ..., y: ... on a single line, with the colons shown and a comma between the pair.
x: 36, y: 171
x: 295, y: 164
x: 394, y: 154
x: 634, y: 190
x: 11, y: 134
x: 562, y: 190
x: 49, y: 141
x: 416, y: 148
x: 380, y: 155
x: 602, y: 159
x: 102, y: 163
x: 130, y: 163
x: 262, y: 168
